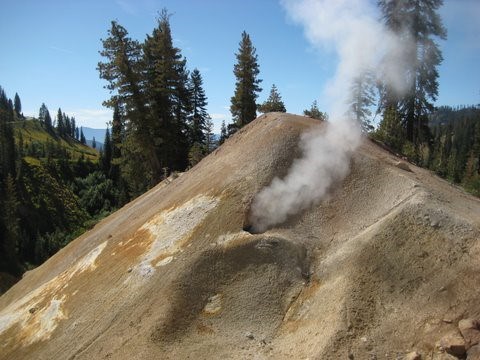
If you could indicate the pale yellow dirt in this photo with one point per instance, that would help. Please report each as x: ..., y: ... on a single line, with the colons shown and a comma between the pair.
x: 388, y: 264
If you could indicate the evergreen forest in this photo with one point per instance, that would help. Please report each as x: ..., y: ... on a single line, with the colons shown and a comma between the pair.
x: 52, y: 186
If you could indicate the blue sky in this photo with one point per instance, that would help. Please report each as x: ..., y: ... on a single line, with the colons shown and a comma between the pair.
x: 50, y: 51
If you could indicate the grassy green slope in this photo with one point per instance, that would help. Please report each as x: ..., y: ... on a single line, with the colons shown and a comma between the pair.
x: 49, y: 210
x: 33, y: 132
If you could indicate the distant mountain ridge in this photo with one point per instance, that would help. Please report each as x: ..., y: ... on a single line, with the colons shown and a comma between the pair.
x: 90, y: 133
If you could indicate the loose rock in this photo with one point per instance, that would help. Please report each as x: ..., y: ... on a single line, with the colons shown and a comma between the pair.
x: 443, y: 356
x: 473, y: 353
x: 453, y: 344
x: 403, y: 165
x: 413, y: 356
x: 470, y: 331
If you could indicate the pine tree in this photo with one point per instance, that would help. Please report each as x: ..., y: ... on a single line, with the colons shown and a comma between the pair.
x: 17, y: 105
x: 274, y: 102
x: 73, y: 127
x: 3, y: 100
x: 117, y: 131
x: 68, y: 125
x: 314, y: 112
x: 107, y: 154
x: 209, y: 136
x: 11, y: 226
x: 7, y: 142
x: 82, y: 137
x: 182, y: 107
x: 418, y: 23
x: 94, y: 143
x: 122, y: 70
x: 223, y: 133
x: 199, y: 116
x: 125, y: 71
x: 362, y: 99
x: 116, y: 140
x: 243, y: 103
x: 8, y: 207
x: 48, y: 122
x: 168, y: 98
x: 42, y: 114
x: 11, y: 110
x: 195, y: 154
x: 60, y: 123
x: 390, y: 130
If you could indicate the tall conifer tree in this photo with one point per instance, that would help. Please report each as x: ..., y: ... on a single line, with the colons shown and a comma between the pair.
x: 199, y: 116
x: 17, y: 105
x: 124, y: 69
x: 82, y: 137
x: 107, y: 153
x: 362, y: 99
x: 223, y: 133
x: 167, y: 95
x: 273, y: 103
x: 60, y: 123
x: 243, y: 103
x: 418, y: 24
x: 116, y: 140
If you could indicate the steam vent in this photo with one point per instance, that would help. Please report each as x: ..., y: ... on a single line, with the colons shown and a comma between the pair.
x: 387, y: 267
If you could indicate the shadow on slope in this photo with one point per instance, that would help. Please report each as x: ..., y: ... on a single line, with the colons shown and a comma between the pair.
x: 238, y: 289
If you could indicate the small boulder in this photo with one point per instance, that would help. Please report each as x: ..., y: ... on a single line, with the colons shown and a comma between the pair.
x: 473, y: 353
x: 453, y: 344
x: 443, y: 356
x: 403, y: 165
x: 470, y: 331
x: 413, y: 356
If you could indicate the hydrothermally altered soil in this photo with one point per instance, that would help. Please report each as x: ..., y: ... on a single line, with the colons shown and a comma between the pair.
x: 384, y: 268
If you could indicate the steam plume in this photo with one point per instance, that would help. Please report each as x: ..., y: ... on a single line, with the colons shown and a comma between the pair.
x: 352, y: 29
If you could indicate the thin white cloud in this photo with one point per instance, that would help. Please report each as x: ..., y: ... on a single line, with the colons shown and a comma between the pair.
x: 92, y: 118
x: 127, y: 6
x: 216, y: 116
x: 62, y: 50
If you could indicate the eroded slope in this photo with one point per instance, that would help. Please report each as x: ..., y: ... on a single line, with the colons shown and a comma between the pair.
x: 374, y: 270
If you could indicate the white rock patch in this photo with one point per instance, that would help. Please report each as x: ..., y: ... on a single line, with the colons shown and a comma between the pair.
x: 214, y: 304
x: 39, y: 323
x: 165, y: 261
x: 228, y: 238
x: 88, y: 261
x: 168, y: 229
x: 47, y: 320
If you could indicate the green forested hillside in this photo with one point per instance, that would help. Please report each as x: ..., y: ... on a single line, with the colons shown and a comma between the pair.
x: 451, y: 147
x: 37, y: 142
x: 52, y: 187
x: 455, y: 150
x: 47, y: 202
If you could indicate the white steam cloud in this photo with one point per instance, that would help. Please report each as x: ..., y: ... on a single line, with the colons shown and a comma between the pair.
x: 352, y: 28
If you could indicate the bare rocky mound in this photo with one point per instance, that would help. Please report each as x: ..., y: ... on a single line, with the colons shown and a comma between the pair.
x: 385, y: 268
